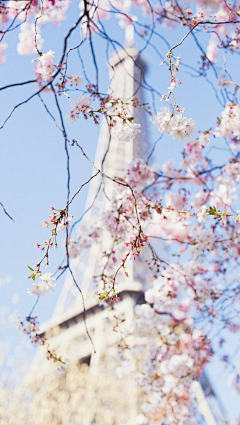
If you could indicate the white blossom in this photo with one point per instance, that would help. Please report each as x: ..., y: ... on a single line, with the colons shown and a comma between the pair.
x: 177, y: 126
x: 230, y: 121
x: 127, y: 131
x: 75, y: 80
x: 202, y: 214
x: 82, y: 104
x: 45, y: 67
x: 45, y: 283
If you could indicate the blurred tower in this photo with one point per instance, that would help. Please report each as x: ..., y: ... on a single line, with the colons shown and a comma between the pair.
x: 66, y: 330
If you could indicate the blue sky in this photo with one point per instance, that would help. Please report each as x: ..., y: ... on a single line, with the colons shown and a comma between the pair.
x: 33, y: 161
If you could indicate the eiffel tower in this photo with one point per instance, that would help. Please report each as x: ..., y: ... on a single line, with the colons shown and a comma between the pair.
x: 66, y: 330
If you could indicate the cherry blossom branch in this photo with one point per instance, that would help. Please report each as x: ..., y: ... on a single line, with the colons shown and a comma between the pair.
x: 80, y: 188
x: 84, y: 308
x: 17, y: 84
x: 6, y: 212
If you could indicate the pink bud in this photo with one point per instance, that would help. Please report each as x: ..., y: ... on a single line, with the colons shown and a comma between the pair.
x: 52, y: 217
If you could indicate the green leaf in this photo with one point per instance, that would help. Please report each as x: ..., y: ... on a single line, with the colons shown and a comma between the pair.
x: 213, y: 211
x: 103, y: 296
x: 30, y: 268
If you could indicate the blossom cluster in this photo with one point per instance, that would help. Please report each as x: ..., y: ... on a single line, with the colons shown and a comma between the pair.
x: 127, y: 131
x: 58, y: 222
x: 75, y: 80
x: 27, y: 41
x: 45, y: 66
x: 30, y: 327
x: 168, y: 355
x: 177, y: 126
x: 81, y: 105
x: 115, y: 109
x: 42, y: 283
x: 229, y: 124
x: 139, y: 174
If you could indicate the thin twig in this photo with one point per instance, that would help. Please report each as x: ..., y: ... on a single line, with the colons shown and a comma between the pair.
x: 6, y: 212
